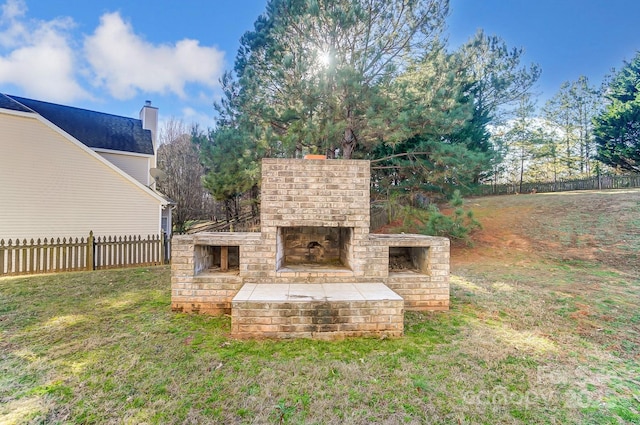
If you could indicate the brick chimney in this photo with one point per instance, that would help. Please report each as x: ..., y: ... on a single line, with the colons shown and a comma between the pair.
x: 149, y: 118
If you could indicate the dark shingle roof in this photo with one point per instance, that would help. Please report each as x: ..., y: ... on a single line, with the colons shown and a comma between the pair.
x: 95, y: 129
x: 8, y: 103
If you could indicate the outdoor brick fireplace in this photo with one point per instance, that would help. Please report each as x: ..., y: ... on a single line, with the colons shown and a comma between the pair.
x: 314, y: 270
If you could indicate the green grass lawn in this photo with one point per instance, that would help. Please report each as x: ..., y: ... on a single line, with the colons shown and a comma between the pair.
x: 104, y: 347
x: 550, y: 338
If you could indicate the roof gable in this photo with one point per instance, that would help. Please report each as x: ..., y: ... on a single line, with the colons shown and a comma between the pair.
x: 96, y: 130
x: 7, y: 103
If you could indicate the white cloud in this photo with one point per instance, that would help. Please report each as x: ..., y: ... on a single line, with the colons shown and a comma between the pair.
x: 50, y: 60
x: 37, y: 55
x: 13, y: 9
x: 125, y: 63
x: 12, y: 28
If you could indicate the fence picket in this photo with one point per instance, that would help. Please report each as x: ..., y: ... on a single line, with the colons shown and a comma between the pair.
x: 21, y: 256
x: 18, y: 259
x: 65, y: 249
x: 108, y: 247
x: 130, y: 248
x: 32, y: 250
x: 9, y: 255
x: 93, y: 253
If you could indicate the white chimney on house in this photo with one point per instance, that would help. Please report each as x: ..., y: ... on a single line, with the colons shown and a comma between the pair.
x: 149, y: 118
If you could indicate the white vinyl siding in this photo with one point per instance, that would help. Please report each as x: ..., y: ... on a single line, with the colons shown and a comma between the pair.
x: 136, y: 166
x: 52, y: 187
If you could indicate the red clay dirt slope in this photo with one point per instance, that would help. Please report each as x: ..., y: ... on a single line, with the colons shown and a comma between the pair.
x: 593, y: 226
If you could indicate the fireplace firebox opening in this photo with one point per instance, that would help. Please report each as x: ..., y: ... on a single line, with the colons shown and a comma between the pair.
x: 314, y: 246
x: 408, y: 259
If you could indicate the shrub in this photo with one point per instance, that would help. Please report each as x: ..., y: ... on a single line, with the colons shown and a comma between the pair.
x: 457, y: 226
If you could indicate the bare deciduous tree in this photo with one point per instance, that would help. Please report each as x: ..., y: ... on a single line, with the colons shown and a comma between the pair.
x: 179, y: 158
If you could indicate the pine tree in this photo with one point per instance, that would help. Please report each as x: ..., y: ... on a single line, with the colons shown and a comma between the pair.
x: 570, y: 112
x: 617, y: 128
x: 230, y: 163
x: 367, y: 79
x: 319, y: 73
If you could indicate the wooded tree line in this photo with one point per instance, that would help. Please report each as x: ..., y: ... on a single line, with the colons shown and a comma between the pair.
x: 583, y: 130
x: 378, y: 81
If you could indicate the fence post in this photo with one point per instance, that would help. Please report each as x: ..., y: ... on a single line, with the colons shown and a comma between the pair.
x: 90, y: 249
x: 599, y: 181
x: 2, y: 251
x: 165, y: 248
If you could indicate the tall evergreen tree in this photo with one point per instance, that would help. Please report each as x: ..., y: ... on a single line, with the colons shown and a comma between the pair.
x: 496, y: 80
x: 367, y: 79
x: 587, y: 102
x: 438, y: 156
x: 545, y: 159
x: 571, y: 112
x: 522, y: 138
x: 617, y: 128
x: 559, y: 113
x: 318, y: 73
x: 230, y: 164
x: 229, y: 152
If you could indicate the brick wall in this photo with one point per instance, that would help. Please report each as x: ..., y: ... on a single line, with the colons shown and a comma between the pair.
x: 297, y: 192
x: 193, y: 287
x: 330, y: 320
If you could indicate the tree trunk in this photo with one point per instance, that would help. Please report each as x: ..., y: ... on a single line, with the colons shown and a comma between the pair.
x: 228, y: 209
x: 348, y: 144
x: 349, y: 140
x: 331, y: 153
x: 236, y: 207
x: 255, y: 194
x: 568, y: 155
x: 521, y: 168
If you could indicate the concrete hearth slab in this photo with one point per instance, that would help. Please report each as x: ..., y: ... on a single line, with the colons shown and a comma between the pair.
x: 315, y: 292
x: 321, y: 310
x: 306, y: 292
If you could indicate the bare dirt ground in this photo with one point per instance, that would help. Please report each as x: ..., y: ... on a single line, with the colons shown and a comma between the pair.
x: 595, y: 226
x: 583, y: 245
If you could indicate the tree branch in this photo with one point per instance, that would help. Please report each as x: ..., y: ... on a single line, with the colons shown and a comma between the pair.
x: 386, y: 158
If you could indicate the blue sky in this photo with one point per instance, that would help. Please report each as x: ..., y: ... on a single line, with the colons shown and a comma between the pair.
x: 112, y: 55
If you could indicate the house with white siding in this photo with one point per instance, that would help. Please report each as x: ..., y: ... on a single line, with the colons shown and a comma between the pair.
x: 65, y: 171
